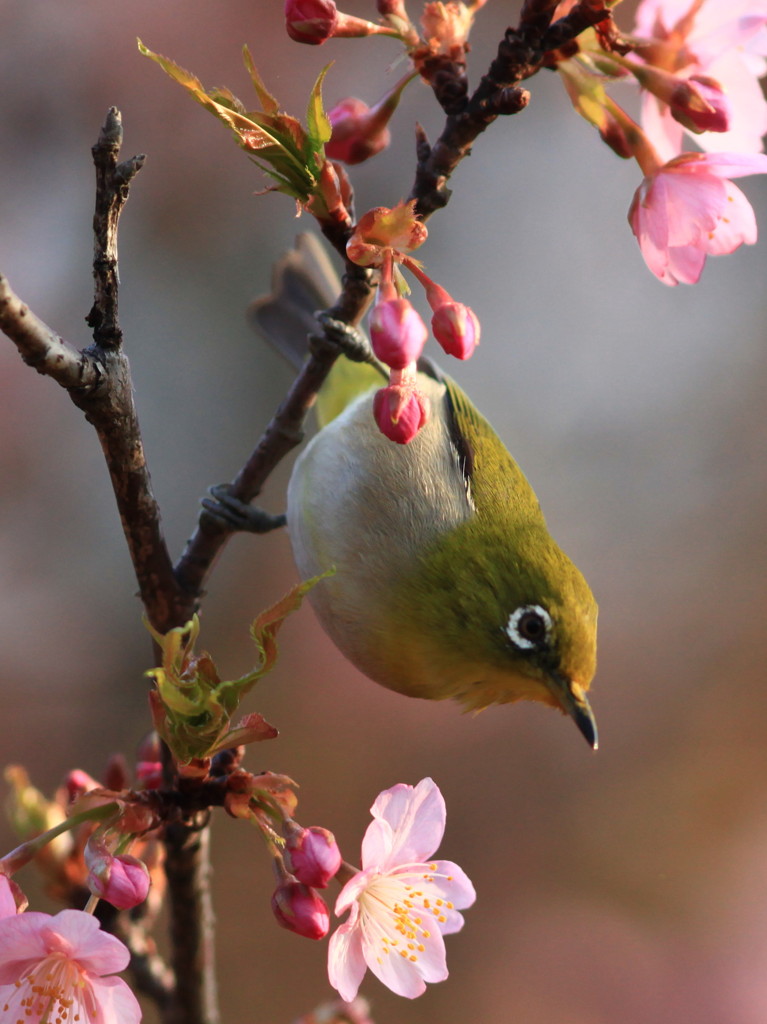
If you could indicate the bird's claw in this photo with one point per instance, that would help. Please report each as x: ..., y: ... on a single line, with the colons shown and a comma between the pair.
x: 338, y: 336
x: 237, y: 515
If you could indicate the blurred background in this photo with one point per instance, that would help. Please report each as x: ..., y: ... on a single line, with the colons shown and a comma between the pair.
x: 630, y: 885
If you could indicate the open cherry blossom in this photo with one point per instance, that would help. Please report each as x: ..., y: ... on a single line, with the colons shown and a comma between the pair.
x: 402, y: 903
x: 53, y: 968
x: 687, y: 210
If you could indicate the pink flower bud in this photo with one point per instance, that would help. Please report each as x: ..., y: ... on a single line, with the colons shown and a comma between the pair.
x: 456, y: 328
x: 358, y: 133
x: 122, y: 881
x: 312, y: 855
x: 400, y: 412
x: 300, y: 909
x: 311, y: 21
x: 397, y: 333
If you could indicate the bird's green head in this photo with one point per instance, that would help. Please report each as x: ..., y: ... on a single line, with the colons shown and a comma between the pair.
x: 496, y: 612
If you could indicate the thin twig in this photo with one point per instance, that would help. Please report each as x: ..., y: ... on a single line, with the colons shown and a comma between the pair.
x: 284, y: 432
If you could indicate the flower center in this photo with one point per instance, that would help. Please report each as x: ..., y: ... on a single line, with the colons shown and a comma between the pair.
x: 55, y: 991
x: 397, y: 911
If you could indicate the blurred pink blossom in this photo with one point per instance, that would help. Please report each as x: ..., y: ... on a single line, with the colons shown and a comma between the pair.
x: 687, y: 210
x: 401, y: 903
x: 723, y: 41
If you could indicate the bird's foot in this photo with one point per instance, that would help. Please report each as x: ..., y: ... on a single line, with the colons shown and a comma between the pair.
x: 340, y: 337
x: 233, y: 514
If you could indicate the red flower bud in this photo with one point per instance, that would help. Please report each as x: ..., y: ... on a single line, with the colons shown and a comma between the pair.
x: 300, y: 909
x: 397, y: 333
x: 311, y: 21
x: 400, y: 412
x: 456, y: 328
x: 312, y: 855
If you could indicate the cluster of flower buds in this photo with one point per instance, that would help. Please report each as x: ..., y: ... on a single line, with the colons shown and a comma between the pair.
x: 697, y: 64
x: 382, y: 239
x: 307, y: 861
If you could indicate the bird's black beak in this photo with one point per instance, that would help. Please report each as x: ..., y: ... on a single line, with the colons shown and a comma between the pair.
x: 573, y: 701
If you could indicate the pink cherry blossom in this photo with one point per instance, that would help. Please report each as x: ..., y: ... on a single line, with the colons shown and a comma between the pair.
x: 688, y: 210
x: 725, y: 42
x: 402, y: 903
x: 61, y: 968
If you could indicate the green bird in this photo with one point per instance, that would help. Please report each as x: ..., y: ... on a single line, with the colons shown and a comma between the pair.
x: 447, y: 582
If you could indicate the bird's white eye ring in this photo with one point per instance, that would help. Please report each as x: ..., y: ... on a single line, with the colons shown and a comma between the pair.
x: 529, y: 627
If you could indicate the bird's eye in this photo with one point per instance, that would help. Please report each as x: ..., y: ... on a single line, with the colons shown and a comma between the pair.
x: 529, y: 627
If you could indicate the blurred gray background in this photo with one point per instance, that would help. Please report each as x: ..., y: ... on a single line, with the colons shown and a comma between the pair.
x: 630, y: 885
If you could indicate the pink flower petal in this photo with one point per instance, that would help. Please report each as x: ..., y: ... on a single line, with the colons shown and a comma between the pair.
x: 117, y: 1003
x: 684, y: 265
x: 346, y: 963
x: 351, y: 892
x: 417, y: 817
x: 692, y: 205
x: 21, y: 944
x: 96, y: 951
x: 377, y: 843
x: 398, y: 974
x: 454, y: 884
x: 736, y: 225
x: 727, y: 165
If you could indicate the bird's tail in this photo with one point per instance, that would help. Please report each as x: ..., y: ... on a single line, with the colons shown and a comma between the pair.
x: 303, y: 282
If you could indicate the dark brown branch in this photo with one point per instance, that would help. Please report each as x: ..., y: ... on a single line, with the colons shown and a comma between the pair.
x: 112, y: 185
x: 521, y: 53
x: 98, y: 381
x: 187, y: 867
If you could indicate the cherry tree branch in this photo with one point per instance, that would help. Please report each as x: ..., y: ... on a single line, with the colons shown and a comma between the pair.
x: 98, y: 381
